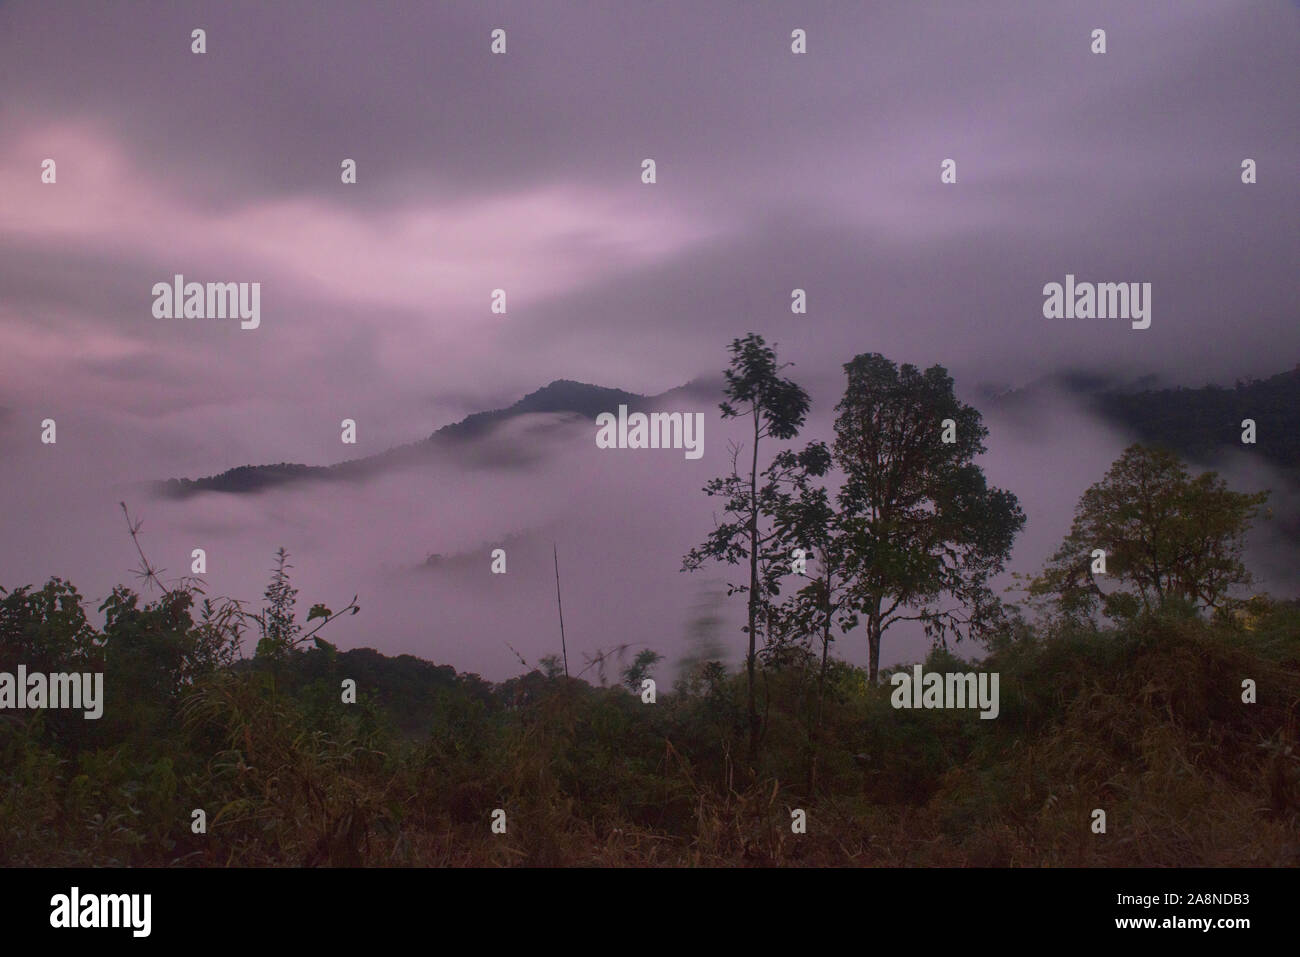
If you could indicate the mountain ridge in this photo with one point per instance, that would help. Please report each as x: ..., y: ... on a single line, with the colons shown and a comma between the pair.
x: 558, y: 396
x: 1200, y: 423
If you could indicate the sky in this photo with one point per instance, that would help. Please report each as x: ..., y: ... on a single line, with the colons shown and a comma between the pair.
x: 522, y: 171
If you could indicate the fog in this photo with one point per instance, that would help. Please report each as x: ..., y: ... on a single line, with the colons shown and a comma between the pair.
x: 621, y: 520
x: 522, y: 173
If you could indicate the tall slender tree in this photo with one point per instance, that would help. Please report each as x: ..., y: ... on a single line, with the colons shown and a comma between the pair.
x: 777, y: 408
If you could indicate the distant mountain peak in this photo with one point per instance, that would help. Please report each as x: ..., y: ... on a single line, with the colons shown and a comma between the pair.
x: 566, y: 395
x: 559, y: 396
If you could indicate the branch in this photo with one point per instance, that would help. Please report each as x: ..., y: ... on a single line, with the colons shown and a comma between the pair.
x: 146, y: 570
x: 352, y: 607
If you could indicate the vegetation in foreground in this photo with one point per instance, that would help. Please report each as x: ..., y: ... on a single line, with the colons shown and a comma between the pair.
x: 1143, y: 720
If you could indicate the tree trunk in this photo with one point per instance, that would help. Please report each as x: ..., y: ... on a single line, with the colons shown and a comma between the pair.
x: 873, y: 643
x: 821, y: 675
x: 750, y: 661
x: 821, y: 697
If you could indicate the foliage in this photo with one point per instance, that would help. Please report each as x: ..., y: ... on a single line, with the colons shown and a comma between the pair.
x: 1144, y: 718
x: 922, y: 522
x: 1168, y: 536
x: 753, y: 496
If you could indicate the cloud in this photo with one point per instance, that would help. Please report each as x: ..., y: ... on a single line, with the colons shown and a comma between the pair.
x: 522, y: 172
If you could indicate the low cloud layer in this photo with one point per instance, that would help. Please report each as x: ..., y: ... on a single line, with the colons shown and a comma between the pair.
x: 522, y: 172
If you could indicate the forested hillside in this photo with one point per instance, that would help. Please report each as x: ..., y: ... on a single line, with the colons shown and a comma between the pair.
x: 1143, y: 720
x: 1203, y: 423
x: 1137, y: 701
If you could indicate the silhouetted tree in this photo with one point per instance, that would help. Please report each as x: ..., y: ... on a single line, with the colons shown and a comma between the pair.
x: 1165, y: 534
x: 808, y: 520
x: 777, y: 408
x: 920, y: 519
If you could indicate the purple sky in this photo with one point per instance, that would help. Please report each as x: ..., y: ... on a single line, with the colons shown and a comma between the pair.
x: 522, y: 171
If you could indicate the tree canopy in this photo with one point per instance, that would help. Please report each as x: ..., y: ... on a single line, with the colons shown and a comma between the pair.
x: 921, y: 521
x: 1164, y: 535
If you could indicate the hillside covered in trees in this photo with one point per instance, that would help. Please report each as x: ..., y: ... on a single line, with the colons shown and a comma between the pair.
x: 1144, y: 720
x: 1136, y: 677
x: 1201, y: 423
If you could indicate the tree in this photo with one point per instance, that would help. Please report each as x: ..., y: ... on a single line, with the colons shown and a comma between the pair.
x: 640, y: 668
x: 281, y: 635
x: 47, y: 630
x: 808, y: 522
x: 279, y: 629
x: 777, y: 408
x: 1166, y: 535
x: 920, y: 519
